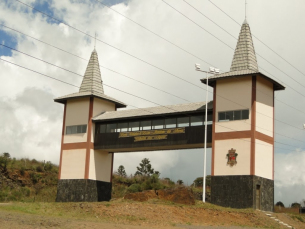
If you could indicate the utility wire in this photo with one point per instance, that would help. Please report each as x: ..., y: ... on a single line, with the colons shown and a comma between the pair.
x: 260, y: 40
x: 144, y: 61
x: 84, y: 59
x: 233, y: 49
x: 121, y: 90
x: 131, y: 78
x: 168, y: 41
x: 237, y: 39
x: 100, y: 66
x: 135, y: 96
x: 131, y: 54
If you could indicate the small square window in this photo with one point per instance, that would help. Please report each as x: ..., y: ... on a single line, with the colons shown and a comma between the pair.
x: 245, y: 114
x: 229, y: 115
x: 158, y: 124
x: 237, y: 115
x: 197, y: 120
x: 183, y: 121
x: 222, y: 116
x: 170, y: 123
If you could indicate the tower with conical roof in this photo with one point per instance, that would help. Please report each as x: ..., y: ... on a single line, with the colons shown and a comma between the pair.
x: 85, y: 173
x: 243, y: 131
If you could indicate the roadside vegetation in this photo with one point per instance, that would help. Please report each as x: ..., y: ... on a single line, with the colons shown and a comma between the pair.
x: 27, y: 179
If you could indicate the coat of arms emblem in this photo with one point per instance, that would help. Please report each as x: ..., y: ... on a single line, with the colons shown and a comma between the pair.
x: 232, y: 155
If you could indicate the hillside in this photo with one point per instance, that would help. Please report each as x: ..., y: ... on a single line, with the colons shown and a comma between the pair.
x: 27, y: 180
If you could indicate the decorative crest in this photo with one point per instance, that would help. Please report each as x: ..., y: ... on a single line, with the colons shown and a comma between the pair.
x: 232, y: 155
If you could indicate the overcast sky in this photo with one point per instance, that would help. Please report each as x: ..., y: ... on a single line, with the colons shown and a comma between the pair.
x: 31, y: 123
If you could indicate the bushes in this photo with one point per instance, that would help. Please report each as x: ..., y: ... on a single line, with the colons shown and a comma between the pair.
x: 39, y: 169
x: 134, y: 188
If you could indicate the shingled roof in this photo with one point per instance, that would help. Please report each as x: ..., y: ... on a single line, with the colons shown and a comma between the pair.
x: 153, y: 111
x: 244, y: 55
x: 244, y: 61
x: 92, y: 84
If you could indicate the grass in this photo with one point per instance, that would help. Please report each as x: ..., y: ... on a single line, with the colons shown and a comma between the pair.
x: 298, y: 217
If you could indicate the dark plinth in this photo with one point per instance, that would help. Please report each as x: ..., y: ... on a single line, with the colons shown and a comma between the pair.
x: 83, y: 190
x: 240, y: 192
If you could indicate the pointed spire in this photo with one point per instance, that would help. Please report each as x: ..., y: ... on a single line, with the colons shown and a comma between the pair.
x: 244, y: 55
x: 92, y: 81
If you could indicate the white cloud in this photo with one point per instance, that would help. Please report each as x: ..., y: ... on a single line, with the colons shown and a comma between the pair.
x: 31, y: 121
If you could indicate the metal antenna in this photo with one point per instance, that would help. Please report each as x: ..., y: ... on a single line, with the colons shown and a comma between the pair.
x: 94, y: 40
x: 246, y: 9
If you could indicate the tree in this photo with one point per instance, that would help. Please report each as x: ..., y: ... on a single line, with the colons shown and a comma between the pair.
x: 180, y: 182
x: 295, y: 205
x: 280, y: 204
x: 145, y: 169
x: 198, y: 182
x: 121, y: 171
x: 4, y: 159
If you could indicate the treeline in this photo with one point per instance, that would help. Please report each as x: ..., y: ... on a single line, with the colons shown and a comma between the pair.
x: 146, y: 178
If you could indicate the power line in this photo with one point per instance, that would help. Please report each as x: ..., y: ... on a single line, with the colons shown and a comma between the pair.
x: 100, y: 66
x: 39, y: 73
x: 260, y: 40
x: 111, y: 45
x: 132, y: 78
x: 119, y: 89
x: 135, y: 56
x: 233, y: 49
x: 141, y: 59
x: 129, y: 94
x: 168, y: 41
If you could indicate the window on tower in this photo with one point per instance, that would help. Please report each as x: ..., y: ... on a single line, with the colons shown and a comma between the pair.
x: 225, y: 116
x: 77, y: 129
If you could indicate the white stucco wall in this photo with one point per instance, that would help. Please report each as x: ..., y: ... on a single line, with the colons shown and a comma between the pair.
x: 242, y: 147
x: 233, y: 94
x: 100, y: 165
x: 73, y: 164
x: 77, y: 113
x: 264, y: 106
x: 263, y: 159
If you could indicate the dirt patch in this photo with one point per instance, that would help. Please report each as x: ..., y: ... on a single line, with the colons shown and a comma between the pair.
x: 180, y: 195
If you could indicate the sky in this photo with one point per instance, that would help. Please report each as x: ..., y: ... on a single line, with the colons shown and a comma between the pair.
x: 31, y: 123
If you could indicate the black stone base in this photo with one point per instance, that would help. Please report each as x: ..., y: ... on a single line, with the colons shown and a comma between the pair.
x: 83, y: 190
x: 240, y: 192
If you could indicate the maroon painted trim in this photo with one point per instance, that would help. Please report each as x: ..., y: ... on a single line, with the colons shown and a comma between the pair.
x: 77, y: 145
x: 233, y: 135
x: 62, y: 141
x: 253, y: 124
x: 89, y: 130
x: 213, y: 130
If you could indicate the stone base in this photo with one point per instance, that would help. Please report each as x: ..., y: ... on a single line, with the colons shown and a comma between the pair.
x: 83, y: 190
x: 241, y: 192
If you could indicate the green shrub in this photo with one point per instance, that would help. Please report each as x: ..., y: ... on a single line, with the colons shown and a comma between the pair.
x: 25, y: 191
x: 134, y: 188
x: 48, y: 166
x: 39, y: 169
x: 22, y: 171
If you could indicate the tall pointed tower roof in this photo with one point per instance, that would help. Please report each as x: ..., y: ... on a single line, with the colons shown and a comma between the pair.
x: 92, y: 84
x: 244, y: 61
x: 92, y: 81
x: 244, y: 55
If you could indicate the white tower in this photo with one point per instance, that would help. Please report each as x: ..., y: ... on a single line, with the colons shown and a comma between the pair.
x: 84, y: 173
x: 243, y: 131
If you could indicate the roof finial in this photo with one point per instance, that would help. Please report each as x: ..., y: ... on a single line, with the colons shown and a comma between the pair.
x: 94, y: 40
x: 246, y: 9
x: 245, y: 22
